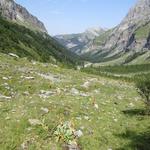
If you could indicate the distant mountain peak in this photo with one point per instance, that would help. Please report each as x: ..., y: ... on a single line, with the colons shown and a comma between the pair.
x: 95, y: 30
x: 76, y: 42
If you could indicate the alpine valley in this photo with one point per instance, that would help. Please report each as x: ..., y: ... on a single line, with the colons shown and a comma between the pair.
x: 85, y: 91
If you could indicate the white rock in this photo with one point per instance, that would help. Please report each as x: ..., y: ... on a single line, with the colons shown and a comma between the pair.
x: 45, y: 110
x: 86, y: 84
x: 5, y: 78
x: 84, y: 94
x: 5, y: 97
x: 29, y: 78
x: 74, y: 91
x: 131, y: 105
x: 115, y: 120
x: 78, y: 133
x: 49, y: 76
x: 46, y: 94
x: 34, y: 122
x: 7, y: 118
x: 13, y: 55
x: 86, y: 117
x: 96, y: 106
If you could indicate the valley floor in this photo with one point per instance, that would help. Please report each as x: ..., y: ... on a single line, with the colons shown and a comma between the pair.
x: 35, y: 98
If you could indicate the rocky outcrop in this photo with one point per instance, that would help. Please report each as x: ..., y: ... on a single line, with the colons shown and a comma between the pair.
x: 122, y: 38
x: 13, y: 11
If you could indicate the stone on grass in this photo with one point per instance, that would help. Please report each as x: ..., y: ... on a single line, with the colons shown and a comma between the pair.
x: 49, y: 76
x: 5, y: 78
x: 29, y: 78
x: 71, y: 147
x: 5, y: 97
x: 26, y: 93
x: 84, y: 95
x: 13, y: 55
x: 86, y: 84
x: 46, y: 94
x: 131, y: 105
x: 45, y: 110
x: 78, y: 133
x: 34, y: 122
x: 74, y: 91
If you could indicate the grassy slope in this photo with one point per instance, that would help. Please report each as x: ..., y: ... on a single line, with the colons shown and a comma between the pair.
x: 117, y: 124
x: 27, y: 43
x: 142, y: 32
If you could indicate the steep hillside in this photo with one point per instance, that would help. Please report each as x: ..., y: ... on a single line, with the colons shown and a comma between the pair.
x: 77, y: 42
x: 15, y: 12
x: 34, y: 45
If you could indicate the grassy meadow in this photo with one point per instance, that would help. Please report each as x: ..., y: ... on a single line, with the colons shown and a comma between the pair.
x: 108, y: 112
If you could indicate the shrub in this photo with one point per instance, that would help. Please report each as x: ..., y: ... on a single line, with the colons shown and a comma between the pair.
x: 65, y: 133
x: 143, y: 87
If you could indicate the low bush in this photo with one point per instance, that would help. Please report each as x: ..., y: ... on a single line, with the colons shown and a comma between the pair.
x: 143, y: 87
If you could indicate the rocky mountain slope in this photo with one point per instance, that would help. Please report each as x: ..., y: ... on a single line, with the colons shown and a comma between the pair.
x: 15, y: 12
x: 129, y: 42
x: 126, y: 43
x: 77, y: 42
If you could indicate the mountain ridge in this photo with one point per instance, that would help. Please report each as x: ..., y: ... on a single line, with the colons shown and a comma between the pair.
x: 10, y: 10
x: 76, y: 42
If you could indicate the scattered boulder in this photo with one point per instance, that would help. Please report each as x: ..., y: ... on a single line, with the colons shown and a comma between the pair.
x: 78, y: 133
x: 49, y: 76
x: 5, y: 97
x: 84, y: 95
x: 26, y: 93
x: 74, y: 91
x: 5, y: 78
x: 46, y: 94
x: 34, y: 122
x: 71, y: 147
x: 29, y: 78
x: 131, y: 105
x: 13, y: 55
x: 45, y: 110
x: 86, y: 84
x: 96, y: 106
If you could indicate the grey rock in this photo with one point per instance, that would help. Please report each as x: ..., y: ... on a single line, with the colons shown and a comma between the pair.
x: 34, y: 122
x: 78, y: 133
x: 70, y: 147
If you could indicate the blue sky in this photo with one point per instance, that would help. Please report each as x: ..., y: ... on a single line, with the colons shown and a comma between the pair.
x: 74, y: 16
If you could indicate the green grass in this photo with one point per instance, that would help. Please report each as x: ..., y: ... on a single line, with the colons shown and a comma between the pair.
x: 122, y: 72
x: 142, y: 32
x: 119, y: 123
